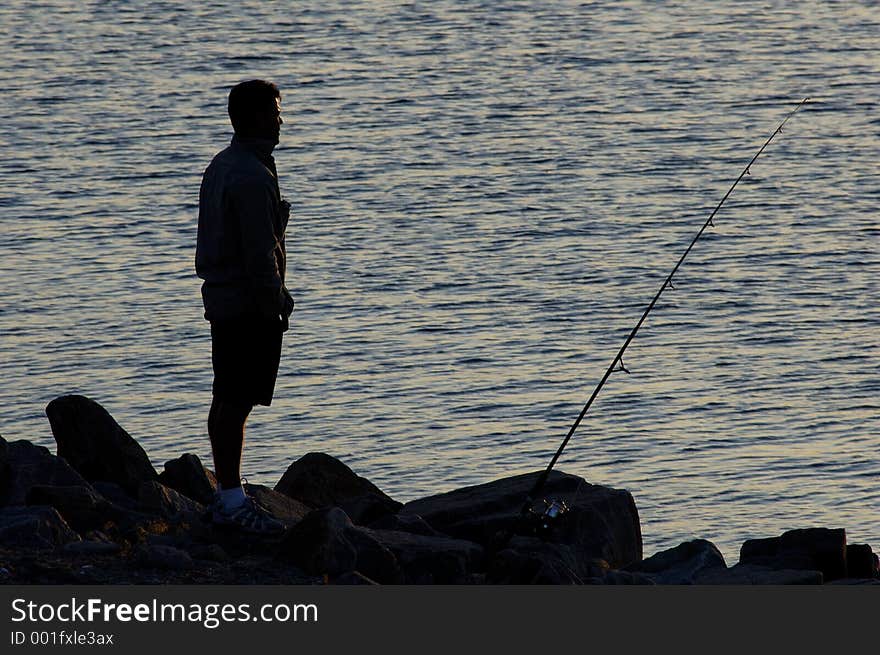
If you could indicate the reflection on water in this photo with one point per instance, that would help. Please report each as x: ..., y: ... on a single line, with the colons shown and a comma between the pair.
x: 486, y: 195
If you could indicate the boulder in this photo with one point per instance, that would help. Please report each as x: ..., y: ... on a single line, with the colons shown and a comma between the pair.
x: 95, y: 445
x: 326, y: 542
x: 861, y: 561
x: 430, y: 559
x: 753, y: 574
x: 369, y: 507
x: 288, y: 510
x: 683, y: 564
x: 188, y: 476
x: 819, y: 549
x: 79, y: 505
x: 34, y: 527
x: 156, y: 498
x: 374, y: 560
x: 320, y: 480
x: 601, y: 523
x: 30, y: 465
x: 116, y: 494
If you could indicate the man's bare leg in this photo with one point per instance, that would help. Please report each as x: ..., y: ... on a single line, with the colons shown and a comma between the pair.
x: 232, y: 506
x: 226, y: 423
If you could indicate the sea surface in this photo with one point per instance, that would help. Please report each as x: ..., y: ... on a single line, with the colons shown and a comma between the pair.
x: 486, y: 196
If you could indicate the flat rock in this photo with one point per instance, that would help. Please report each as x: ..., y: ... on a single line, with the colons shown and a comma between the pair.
x: 752, y: 574
x: 94, y: 444
x: 29, y: 465
x: 188, y: 476
x: 80, y: 505
x: 320, y: 480
x: 856, y: 582
x: 819, y: 549
x: 34, y: 527
x: 683, y: 564
x: 601, y: 523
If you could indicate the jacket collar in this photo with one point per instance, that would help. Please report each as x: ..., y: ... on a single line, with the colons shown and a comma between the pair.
x: 261, y: 147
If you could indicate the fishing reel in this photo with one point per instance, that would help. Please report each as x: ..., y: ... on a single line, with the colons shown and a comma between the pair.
x: 543, y: 520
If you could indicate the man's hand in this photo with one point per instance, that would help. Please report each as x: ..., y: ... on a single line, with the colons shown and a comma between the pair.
x: 288, y: 303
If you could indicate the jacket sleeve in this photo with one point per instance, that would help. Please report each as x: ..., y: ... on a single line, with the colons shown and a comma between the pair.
x: 254, y: 205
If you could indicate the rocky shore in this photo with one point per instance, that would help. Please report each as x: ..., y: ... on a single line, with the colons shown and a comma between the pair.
x: 97, y: 512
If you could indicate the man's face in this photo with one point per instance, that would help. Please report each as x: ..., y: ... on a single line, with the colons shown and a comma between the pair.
x: 269, y: 122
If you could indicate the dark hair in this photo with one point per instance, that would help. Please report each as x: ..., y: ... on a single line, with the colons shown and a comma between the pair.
x: 248, y: 99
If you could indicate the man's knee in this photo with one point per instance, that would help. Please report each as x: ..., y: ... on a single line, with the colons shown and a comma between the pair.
x: 226, y: 412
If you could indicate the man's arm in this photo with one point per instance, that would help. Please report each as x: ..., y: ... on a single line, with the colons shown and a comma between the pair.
x: 254, y: 205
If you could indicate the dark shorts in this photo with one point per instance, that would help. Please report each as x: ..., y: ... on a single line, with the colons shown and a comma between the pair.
x: 245, y: 353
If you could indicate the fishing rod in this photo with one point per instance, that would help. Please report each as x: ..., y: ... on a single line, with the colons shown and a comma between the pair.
x: 555, y: 508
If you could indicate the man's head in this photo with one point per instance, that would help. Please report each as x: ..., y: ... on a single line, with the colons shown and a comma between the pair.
x: 255, y: 110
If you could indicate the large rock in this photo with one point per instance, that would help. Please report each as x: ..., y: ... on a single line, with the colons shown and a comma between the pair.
x: 29, y: 465
x: 861, y: 562
x: 533, y: 561
x: 80, y: 506
x: 431, y: 560
x: 95, y: 445
x: 187, y: 475
x: 116, y: 494
x: 326, y: 542
x: 34, y: 527
x: 156, y: 498
x: 682, y: 565
x: 601, y: 523
x: 511, y: 567
x: 288, y: 510
x: 320, y: 480
x: 819, y: 549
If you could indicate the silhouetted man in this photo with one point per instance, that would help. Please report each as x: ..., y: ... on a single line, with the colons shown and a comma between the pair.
x: 241, y: 257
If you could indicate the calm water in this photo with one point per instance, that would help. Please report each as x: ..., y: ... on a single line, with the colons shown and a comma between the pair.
x: 486, y: 196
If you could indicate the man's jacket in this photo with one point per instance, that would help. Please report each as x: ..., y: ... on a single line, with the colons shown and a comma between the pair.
x: 240, y: 251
